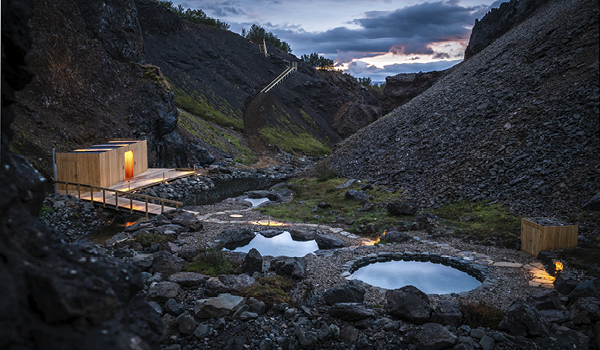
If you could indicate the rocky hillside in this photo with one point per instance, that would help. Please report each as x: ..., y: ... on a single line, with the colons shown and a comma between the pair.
x: 216, y: 74
x: 516, y: 123
x: 123, y: 68
x: 54, y: 295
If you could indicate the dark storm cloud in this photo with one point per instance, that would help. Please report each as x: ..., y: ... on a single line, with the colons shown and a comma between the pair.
x: 409, y: 30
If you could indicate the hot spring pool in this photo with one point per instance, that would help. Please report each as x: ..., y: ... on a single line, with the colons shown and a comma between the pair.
x: 431, y: 278
x: 280, y: 245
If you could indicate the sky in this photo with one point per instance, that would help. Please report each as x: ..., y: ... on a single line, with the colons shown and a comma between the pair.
x: 374, y: 39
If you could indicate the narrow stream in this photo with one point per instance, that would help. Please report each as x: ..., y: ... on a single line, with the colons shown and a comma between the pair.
x: 230, y: 188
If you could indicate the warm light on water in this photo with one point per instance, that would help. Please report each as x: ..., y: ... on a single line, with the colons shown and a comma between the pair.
x: 429, y: 277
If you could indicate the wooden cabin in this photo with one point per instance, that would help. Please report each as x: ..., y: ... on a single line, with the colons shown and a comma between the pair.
x: 103, y: 165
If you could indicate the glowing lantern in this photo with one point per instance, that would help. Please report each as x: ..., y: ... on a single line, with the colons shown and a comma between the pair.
x: 557, y: 267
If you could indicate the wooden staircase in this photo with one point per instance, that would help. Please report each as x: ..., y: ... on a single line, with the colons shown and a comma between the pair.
x: 289, y: 70
x: 263, y: 48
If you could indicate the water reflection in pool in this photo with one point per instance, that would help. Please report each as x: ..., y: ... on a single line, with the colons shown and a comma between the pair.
x: 282, y: 244
x: 256, y: 201
x: 429, y: 277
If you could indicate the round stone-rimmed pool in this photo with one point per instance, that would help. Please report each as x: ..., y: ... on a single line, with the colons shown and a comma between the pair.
x: 476, y: 269
x: 430, y: 278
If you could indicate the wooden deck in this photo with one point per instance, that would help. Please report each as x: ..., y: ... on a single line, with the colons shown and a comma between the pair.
x: 107, y: 198
x: 150, y: 178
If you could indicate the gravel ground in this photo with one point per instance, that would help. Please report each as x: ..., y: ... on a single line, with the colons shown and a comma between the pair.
x: 325, y: 267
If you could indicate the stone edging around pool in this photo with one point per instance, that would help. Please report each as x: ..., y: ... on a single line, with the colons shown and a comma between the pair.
x: 487, y: 279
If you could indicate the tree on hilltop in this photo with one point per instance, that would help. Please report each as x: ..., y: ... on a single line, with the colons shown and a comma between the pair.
x: 317, y: 61
x: 258, y: 33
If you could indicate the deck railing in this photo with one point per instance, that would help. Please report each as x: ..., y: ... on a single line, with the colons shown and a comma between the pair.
x: 117, y: 193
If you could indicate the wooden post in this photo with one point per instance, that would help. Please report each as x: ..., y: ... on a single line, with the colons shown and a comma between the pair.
x: 116, y: 201
x: 92, y: 194
x: 67, y: 187
x: 130, y: 204
x: 146, y: 206
x: 54, y: 170
x: 103, y: 198
x: 78, y: 190
x: 162, y: 206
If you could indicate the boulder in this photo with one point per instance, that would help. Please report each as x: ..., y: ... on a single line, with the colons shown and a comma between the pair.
x: 433, y: 336
x: 186, y: 324
x: 396, y: 237
x: 447, y: 313
x: 302, y: 235
x: 165, y: 263
x: 189, y: 253
x: 329, y: 242
x: 555, y: 316
x: 409, y: 303
x: 353, y: 292
x: 545, y: 300
x: 359, y: 196
x: 546, y: 256
x: 524, y: 320
x: 589, y: 288
x: 163, y: 291
x: 562, y: 338
x: 585, y: 310
x: 565, y: 284
x: 294, y: 267
x: 351, y: 311
x: 270, y: 233
x: 228, y: 284
x: 143, y: 261
x: 253, y: 262
x: 173, y: 307
x: 396, y: 208
x: 189, y: 221
x: 235, y: 236
x: 223, y: 305
x: 188, y: 279
x: 427, y: 221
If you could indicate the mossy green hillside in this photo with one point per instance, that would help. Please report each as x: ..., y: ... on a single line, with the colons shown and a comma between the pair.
x: 294, y: 141
x: 218, y: 137
x: 309, y: 192
x: 200, y: 106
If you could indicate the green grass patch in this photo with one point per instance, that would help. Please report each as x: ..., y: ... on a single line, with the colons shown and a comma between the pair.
x: 199, y: 106
x: 293, y: 142
x: 154, y: 74
x: 349, y: 214
x: 146, y: 239
x: 46, y: 209
x: 482, y: 221
x: 247, y: 156
x: 308, y: 119
x: 270, y: 290
x: 212, y: 262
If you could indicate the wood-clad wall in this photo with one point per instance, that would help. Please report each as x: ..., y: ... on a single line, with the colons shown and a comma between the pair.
x: 535, y: 237
x: 103, y: 169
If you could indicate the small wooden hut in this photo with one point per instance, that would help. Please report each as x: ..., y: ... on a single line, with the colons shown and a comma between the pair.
x: 103, y: 165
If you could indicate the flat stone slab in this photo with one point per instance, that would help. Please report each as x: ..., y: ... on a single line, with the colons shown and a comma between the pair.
x: 507, y: 264
x: 223, y: 305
